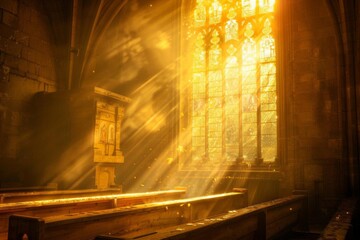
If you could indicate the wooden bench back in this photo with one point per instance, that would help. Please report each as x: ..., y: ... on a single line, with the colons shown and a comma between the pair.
x: 120, y: 220
x: 262, y: 221
x: 46, y: 208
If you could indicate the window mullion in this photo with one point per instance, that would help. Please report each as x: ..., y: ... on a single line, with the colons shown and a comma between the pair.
x: 258, y: 111
x: 207, y: 47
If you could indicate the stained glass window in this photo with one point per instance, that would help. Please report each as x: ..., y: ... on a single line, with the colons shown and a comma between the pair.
x: 233, y: 96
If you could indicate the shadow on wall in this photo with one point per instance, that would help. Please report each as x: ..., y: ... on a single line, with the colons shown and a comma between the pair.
x: 137, y: 58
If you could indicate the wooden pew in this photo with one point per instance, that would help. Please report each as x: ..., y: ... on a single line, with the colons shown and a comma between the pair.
x: 246, y: 223
x: 53, y: 207
x: 266, y: 220
x: 88, y: 225
x: 11, y: 197
x: 341, y: 224
x: 284, y: 213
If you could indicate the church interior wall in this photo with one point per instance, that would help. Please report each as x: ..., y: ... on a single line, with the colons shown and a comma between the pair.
x: 137, y: 56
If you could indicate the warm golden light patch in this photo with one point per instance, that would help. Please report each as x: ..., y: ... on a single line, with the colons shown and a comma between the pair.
x: 232, y: 92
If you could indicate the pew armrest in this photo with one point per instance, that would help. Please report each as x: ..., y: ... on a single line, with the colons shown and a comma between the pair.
x: 32, y: 227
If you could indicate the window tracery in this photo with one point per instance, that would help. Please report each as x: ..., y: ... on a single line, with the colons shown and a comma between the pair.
x: 233, y: 98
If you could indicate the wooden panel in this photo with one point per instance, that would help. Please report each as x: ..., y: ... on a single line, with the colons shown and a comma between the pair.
x: 282, y: 218
x: 281, y: 226
x: 31, y: 228
x: 247, y: 223
x: 121, y: 220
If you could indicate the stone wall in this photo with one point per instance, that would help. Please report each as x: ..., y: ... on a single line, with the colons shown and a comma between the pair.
x: 314, y: 99
x: 26, y: 67
x: 315, y: 158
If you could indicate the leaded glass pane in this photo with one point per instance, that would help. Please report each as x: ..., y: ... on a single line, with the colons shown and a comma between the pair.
x: 215, y: 12
x: 198, y: 127
x: 249, y: 146
x: 199, y: 57
x: 215, y: 127
x: 198, y: 121
x: 232, y: 73
x: 215, y: 57
x: 268, y: 68
x: 232, y: 122
x: 215, y: 51
x: 198, y: 140
x: 198, y: 131
x: 215, y: 113
x: 268, y: 147
x: 249, y: 76
x: 215, y: 154
x: 199, y: 14
x: 215, y: 84
x: 232, y: 132
x: 198, y: 85
x: 199, y: 107
x: 249, y: 51
x: 233, y: 81
x: 231, y: 60
x: 248, y: 8
x: 269, y: 128
x: 232, y: 86
x: 267, y: 49
x: 267, y: 43
x: 198, y: 153
x: 231, y: 13
x: 268, y: 114
x: 266, y: 6
x: 231, y: 30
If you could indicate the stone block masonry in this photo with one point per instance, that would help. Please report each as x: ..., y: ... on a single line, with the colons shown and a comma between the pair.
x: 27, y: 66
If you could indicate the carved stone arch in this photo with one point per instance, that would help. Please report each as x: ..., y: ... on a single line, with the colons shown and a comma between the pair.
x: 106, y: 12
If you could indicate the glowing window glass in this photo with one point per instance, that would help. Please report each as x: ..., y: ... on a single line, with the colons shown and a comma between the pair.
x: 215, y: 12
x: 233, y: 99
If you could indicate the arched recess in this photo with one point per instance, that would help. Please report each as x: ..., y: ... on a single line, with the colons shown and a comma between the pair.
x: 225, y: 160
x: 106, y: 12
x: 78, y: 26
x: 232, y: 35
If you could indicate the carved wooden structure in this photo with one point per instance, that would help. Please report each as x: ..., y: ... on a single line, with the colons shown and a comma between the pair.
x: 77, y: 139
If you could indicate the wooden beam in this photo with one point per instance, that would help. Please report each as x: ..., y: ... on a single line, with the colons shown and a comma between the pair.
x: 121, y: 220
x: 57, y: 194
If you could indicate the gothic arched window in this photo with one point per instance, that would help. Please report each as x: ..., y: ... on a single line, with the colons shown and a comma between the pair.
x: 231, y: 93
